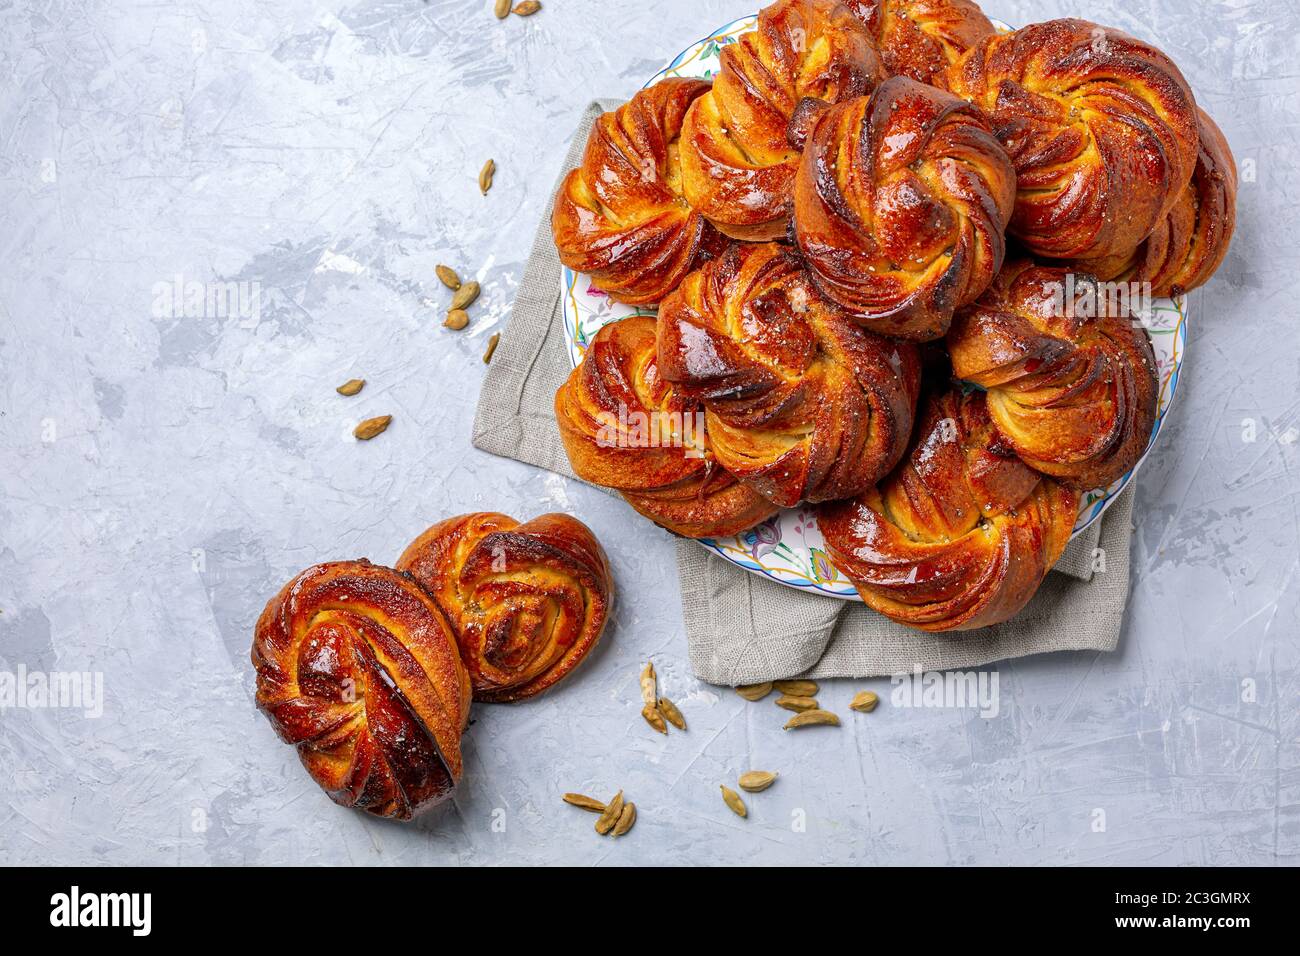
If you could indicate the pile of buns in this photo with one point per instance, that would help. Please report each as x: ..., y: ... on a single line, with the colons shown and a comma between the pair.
x: 857, y: 236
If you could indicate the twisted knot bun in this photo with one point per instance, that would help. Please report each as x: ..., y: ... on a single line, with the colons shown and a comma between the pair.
x: 624, y: 427
x: 961, y: 535
x: 1074, y: 395
x: 801, y: 403
x: 527, y: 602
x: 358, y: 669
x: 741, y: 141
x: 1101, y: 128
x: 1190, y: 242
x: 620, y: 216
x: 921, y: 39
x: 900, y: 207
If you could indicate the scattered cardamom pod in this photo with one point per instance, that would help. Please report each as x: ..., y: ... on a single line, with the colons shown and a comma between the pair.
x: 584, y: 801
x: 864, y: 702
x: 485, y: 176
x: 456, y: 319
x: 625, y: 819
x: 527, y: 8
x: 796, y: 703
x: 756, y: 780
x: 732, y: 799
x: 502, y: 9
x: 655, y: 719
x: 796, y: 688
x: 351, y: 387
x: 465, y: 295
x: 371, y: 427
x: 755, y: 691
x: 613, y: 810
x: 447, y: 276
x: 671, y: 713
x: 812, y: 718
x: 648, y: 685
x: 491, y: 347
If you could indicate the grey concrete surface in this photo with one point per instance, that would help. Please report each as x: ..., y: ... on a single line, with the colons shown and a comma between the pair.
x: 163, y: 471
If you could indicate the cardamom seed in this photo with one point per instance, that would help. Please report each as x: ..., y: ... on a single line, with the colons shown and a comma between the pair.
x: 502, y: 9
x: 625, y: 819
x: 465, y: 295
x: 613, y: 810
x: 756, y: 780
x: 812, y: 718
x: 371, y: 427
x: 447, y: 276
x: 671, y: 713
x: 485, y: 176
x: 655, y: 719
x: 864, y: 702
x: 648, y: 685
x: 732, y: 799
x: 527, y: 8
x: 491, y: 347
x: 456, y: 319
x: 796, y: 703
x: 584, y: 801
x: 755, y: 691
x: 351, y: 387
x: 797, y: 688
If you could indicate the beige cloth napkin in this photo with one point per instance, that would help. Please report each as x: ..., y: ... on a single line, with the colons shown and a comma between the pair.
x: 742, y: 628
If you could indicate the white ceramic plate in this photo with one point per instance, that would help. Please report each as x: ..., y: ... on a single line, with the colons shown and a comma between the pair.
x: 788, y: 547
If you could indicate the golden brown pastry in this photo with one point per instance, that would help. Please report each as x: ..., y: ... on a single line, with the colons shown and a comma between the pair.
x: 1101, y: 128
x: 1189, y: 243
x: 921, y: 39
x: 741, y: 141
x: 358, y: 669
x: 960, y: 535
x: 900, y: 207
x: 1073, y: 392
x: 527, y: 601
x: 620, y: 217
x: 801, y: 403
x: 625, y: 428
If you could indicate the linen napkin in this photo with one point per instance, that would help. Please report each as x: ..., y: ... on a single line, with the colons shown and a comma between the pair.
x: 742, y: 628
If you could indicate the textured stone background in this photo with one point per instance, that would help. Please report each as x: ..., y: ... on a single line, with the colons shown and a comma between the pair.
x: 161, y: 477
